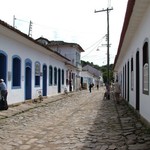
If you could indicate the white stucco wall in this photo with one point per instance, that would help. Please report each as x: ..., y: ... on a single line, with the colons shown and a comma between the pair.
x: 73, y: 54
x: 69, y: 52
x: 135, y: 45
x: 12, y: 47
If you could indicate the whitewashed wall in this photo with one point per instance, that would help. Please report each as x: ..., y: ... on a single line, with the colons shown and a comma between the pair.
x: 70, y: 53
x: 12, y: 47
x: 142, y: 32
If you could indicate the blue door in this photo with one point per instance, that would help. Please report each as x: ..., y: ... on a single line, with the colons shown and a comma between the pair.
x: 28, y: 75
x: 59, y: 81
x: 44, y: 80
x: 3, y: 66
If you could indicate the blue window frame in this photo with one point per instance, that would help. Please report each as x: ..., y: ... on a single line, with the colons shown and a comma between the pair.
x: 37, y: 73
x: 16, y: 72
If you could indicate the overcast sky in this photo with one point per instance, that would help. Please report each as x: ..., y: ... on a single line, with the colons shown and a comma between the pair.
x: 70, y: 21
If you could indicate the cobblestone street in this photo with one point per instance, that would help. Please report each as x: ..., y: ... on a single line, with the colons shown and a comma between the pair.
x: 78, y: 121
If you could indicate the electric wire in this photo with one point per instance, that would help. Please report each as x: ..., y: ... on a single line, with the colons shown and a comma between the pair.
x: 94, y: 47
x: 50, y: 27
x: 95, y: 43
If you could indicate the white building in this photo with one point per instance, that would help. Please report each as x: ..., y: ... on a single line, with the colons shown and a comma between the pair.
x: 133, y: 57
x: 28, y: 66
x: 72, y: 51
x: 86, y: 79
x: 97, y: 78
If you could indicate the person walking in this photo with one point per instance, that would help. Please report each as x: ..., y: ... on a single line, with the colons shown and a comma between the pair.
x: 117, y: 91
x: 3, y: 95
x: 90, y: 87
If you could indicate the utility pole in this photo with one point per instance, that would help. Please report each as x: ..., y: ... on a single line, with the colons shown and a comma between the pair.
x: 30, y: 25
x: 14, y: 21
x: 108, y: 80
x: 30, y: 29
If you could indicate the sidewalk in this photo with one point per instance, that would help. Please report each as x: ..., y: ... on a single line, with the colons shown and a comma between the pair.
x: 137, y: 135
x: 28, y: 105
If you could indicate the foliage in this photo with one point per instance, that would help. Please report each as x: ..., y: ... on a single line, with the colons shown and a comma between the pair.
x: 103, y: 69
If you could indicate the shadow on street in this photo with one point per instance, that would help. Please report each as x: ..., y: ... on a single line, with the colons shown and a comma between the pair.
x: 116, y: 127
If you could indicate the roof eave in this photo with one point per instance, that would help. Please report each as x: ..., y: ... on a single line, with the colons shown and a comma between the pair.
x: 128, y: 14
x: 20, y: 35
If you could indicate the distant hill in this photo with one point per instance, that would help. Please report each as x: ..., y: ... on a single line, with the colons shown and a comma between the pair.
x: 103, y: 69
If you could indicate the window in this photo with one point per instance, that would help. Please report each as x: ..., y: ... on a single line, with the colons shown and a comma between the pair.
x: 37, y: 73
x: 50, y: 75
x: 145, y: 69
x: 78, y: 60
x: 16, y: 72
x: 55, y: 76
x: 62, y: 77
x: 132, y: 75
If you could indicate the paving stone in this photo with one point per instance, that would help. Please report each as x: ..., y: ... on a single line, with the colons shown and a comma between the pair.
x: 25, y: 147
x: 31, y: 141
x: 104, y: 147
x: 112, y: 147
x: 138, y: 147
x: 77, y: 121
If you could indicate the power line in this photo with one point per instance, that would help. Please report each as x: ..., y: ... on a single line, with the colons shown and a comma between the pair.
x: 45, y: 27
x: 94, y: 47
x: 95, y: 43
x: 30, y: 24
x: 14, y: 19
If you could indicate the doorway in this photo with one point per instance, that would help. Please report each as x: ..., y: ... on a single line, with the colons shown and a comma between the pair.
x: 137, y: 81
x: 44, y: 80
x: 59, y: 81
x: 28, y: 80
x: 3, y: 66
x: 128, y: 84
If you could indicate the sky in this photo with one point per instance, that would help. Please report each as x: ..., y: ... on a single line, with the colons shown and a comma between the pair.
x: 71, y: 21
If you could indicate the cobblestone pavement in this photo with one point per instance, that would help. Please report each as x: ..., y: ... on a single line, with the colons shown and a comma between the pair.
x: 78, y: 121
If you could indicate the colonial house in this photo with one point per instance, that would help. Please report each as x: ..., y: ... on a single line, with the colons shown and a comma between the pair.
x: 131, y: 64
x: 93, y: 75
x: 28, y: 66
x: 72, y: 51
x: 86, y: 79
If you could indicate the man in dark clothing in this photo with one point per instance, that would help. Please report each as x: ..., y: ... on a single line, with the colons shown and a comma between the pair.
x: 3, y: 95
x: 90, y: 87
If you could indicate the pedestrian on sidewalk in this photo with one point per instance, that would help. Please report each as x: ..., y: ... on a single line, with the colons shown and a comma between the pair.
x: 107, y: 92
x: 117, y: 91
x: 3, y: 95
x: 90, y: 87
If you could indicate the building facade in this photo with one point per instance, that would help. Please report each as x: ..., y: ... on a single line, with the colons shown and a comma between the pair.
x: 28, y: 66
x: 131, y: 64
x: 92, y: 75
x: 72, y: 51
